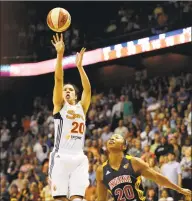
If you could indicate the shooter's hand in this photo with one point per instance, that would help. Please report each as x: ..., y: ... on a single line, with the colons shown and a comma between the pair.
x: 58, y: 43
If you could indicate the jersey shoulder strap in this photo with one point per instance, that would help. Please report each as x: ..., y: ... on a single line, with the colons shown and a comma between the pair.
x: 104, y: 164
x: 128, y: 157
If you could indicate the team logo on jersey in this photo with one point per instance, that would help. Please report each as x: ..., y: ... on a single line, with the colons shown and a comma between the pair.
x: 119, y: 180
x: 108, y: 172
x: 76, y: 137
x: 126, y: 166
x: 67, y: 136
x: 72, y: 115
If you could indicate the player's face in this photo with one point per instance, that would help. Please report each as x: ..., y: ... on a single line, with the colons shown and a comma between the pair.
x: 69, y: 94
x: 116, y: 142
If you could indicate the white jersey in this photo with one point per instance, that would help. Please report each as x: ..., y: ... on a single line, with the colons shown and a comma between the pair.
x: 69, y: 129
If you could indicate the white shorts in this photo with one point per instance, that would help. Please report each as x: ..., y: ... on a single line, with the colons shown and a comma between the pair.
x: 68, y: 174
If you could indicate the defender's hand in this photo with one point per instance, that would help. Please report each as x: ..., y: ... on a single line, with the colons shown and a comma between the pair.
x: 58, y: 43
x: 79, y: 58
x: 186, y: 192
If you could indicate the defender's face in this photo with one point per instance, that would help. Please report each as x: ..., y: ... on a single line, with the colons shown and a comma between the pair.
x: 69, y: 94
x: 116, y: 142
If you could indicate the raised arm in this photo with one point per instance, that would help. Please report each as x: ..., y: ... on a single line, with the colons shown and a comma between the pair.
x: 143, y: 168
x: 59, y: 73
x: 102, y: 193
x: 86, y: 95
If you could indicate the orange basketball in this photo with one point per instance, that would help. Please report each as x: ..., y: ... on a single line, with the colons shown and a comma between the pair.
x: 58, y: 19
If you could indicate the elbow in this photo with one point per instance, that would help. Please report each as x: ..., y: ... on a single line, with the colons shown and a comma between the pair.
x: 158, y: 178
x: 87, y: 88
x: 58, y: 102
x: 161, y: 180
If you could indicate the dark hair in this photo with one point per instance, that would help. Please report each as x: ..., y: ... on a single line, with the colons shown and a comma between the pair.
x: 126, y: 144
x: 172, y: 152
x: 75, y: 88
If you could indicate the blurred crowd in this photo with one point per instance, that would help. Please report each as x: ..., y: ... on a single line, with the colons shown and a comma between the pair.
x: 153, y: 115
x: 30, y: 36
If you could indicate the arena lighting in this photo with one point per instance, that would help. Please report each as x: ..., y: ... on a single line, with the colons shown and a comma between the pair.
x: 121, y: 50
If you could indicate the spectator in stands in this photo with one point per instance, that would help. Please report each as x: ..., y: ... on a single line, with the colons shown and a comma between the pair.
x: 186, y: 145
x: 106, y: 134
x: 146, y: 153
x: 46, y: 192
x: 145, y: 136
x: 186, y: 167
x: 25, y: 193
x: 156, y: 142
x: 3, y: 155
x: 158, y: 10
x: 154, y: 130
x: 14, y: 193
x: 176, y: 147
x: 41, y: 149
x: 26, y: 123
x: 14, y: 125
x: 135, y: 150
x: 117, y: 112
x: 127, y: 108
x: 151, y: 196
x: 5, y: 136
x: 172, y: 170
x: 19, y: 181
x: 12, y: 171
x: 121, y: 129
x: 164, y: 148
x: 182, y: 96
x: 92, y: 175
x: 148, y: 183
x: 26, y: 165
x: 34, y: 192
x: 4, y: 196
x: 4, y: 184
x: 164, y: 196
x: 94, y: 149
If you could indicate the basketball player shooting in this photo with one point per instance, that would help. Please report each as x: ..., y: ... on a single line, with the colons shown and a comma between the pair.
x: 121, y: 175
x: 68, y: 169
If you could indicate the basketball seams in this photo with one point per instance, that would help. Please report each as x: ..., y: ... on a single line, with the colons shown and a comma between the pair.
x: 49, y: 21
x: 55, y: 17
x: 62, y: 19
